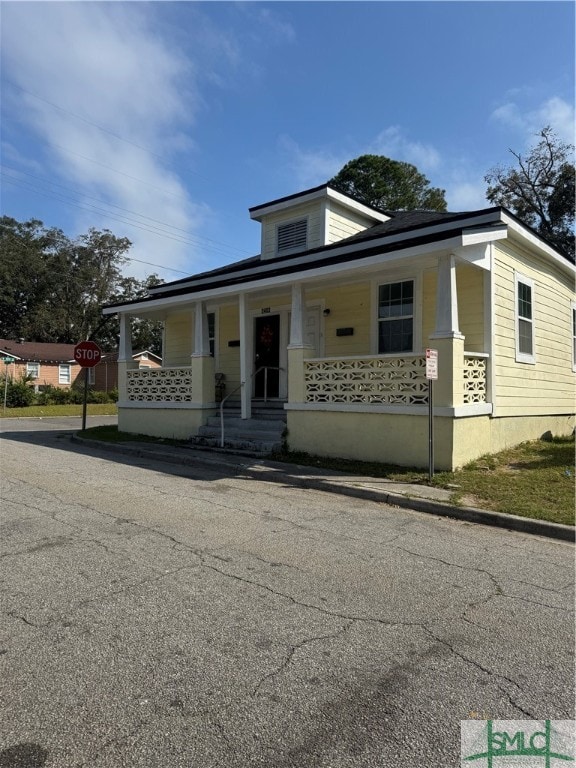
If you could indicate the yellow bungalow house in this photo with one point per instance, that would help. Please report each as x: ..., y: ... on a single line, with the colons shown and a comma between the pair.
x: 332, y: 320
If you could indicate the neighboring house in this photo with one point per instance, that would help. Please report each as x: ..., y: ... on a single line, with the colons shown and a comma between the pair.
x: 104, y: 376
x: 338, y: 311
x: 44, y: 363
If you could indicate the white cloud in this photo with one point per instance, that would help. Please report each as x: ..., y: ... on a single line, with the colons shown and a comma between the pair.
x: 105, y: 63
x: 392, y: 143
x: 310, y: 168
x: 464, y: 195
x: 555, y: 112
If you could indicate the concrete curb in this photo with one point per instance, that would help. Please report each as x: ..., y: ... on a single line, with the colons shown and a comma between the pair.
x: 320, y: 482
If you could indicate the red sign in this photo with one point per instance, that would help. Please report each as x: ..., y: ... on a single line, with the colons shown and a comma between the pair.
x: 87, y: 354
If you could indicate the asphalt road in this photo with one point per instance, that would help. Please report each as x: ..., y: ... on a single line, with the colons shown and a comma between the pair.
x: 159, y: 616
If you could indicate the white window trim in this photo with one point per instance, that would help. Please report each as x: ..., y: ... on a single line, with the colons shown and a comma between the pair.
x: 92, y: 375
x: 573, y: 333
x: 522, y: 357
x: 61, y: 368
x: 416, y: 315
x: 36, y: 367
x: 288, y: 251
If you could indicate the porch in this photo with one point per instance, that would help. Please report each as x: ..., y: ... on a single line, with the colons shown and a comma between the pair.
x: 385, y: 381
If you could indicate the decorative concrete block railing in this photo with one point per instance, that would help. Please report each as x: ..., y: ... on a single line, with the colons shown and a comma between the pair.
x: 475, y: 378
x: 368, y: 380
x: 171, y: 385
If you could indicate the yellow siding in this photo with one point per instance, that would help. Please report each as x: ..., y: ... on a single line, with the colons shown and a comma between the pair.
x: 228, y: 357
x: 313, y: 211
x: 428, y: 306
x: 349, y: 308
x: 343, y: 223
x: 178, y: 339
x: 470, y: 290
x: 548, y: 386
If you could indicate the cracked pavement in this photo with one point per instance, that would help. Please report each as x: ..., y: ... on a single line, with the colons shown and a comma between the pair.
x: 158, y: 616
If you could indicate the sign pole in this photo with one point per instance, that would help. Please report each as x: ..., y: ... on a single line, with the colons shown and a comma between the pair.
x: 431, y: 374
x: 5, y: 384
x: 87, y: 354
x: 84, y: 404
x: 430, y: 433
x: 6, y: 361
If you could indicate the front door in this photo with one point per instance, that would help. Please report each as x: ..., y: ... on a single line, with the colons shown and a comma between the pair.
x: 266, y: 355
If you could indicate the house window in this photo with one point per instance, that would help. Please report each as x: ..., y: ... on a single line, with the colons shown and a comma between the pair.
x: 64, y: 374
x: 33, y: 370
x: 212, y: 332
x: 292, y: 236
x: 92, y: 376
x: 524, y: 320
x: 395, y: 317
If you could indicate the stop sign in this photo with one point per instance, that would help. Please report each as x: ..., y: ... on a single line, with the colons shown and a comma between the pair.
x: 87, y: 354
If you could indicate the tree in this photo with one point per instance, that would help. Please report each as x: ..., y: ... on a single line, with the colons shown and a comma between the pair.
x: 540, y: 190
x: 53, y: 288
x: 389, y: 185
x: 146, y: 334
x: 24, y: 277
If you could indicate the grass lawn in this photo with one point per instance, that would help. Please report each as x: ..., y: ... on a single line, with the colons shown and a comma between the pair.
x: 535, y: 479
x: 47, y: 411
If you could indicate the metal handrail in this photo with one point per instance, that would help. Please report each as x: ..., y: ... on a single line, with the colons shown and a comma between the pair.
x: 242, y: 383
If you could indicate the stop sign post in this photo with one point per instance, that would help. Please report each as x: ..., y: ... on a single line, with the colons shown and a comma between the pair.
x: 87, y: 354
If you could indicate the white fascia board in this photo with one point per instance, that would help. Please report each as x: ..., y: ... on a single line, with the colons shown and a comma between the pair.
x: 283, y: 205
x: 331, y: 270
x: 347, y: 202
x: 326, y: 192
x: 477, y: 235
x: 4, y: 353
x: 535, y: 242
x: 346, y: 248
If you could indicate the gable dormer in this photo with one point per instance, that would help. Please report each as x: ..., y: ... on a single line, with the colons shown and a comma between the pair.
x: 311, y: 219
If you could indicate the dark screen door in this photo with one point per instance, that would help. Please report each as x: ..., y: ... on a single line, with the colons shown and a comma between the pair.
x: 267, y: 353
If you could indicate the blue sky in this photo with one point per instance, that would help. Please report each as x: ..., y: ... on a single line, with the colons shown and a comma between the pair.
x: 165, y: 122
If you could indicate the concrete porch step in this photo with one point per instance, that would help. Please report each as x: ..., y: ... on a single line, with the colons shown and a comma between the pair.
x: 255, y: 437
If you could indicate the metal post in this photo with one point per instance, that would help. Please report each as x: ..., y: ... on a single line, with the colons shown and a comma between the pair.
x: 265, y: 385
x: 85, y: 398
x: 430, y: 433
x: 5, y: 384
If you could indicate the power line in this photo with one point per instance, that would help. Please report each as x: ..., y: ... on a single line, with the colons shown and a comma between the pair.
x: 90, y: 122
x: 92, y: 209
x: 195, y: 239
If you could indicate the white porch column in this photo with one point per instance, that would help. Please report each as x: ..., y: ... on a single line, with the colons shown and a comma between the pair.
x: 201, y: 340
x: 446, y: 300
x: 245, y: 363
x: 447, y: 339
x: 297, y: 317
x: 125, y: 343
x: 203, y: 383
x: 298, y: 351
x: 125, y: 361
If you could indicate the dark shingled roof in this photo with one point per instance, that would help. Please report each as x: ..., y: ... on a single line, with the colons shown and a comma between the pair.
x: 406, y: 228
x: 37, y: 352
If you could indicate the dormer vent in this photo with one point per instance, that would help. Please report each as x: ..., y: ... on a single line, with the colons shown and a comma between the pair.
x: 292, y: 236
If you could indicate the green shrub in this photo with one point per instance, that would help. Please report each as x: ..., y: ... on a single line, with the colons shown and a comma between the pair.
x: 97, y: 396
x: 51, y: 395
x: 19, y: 393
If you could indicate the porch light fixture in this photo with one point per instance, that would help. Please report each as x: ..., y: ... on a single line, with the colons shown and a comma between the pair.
x: 325, y: 312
